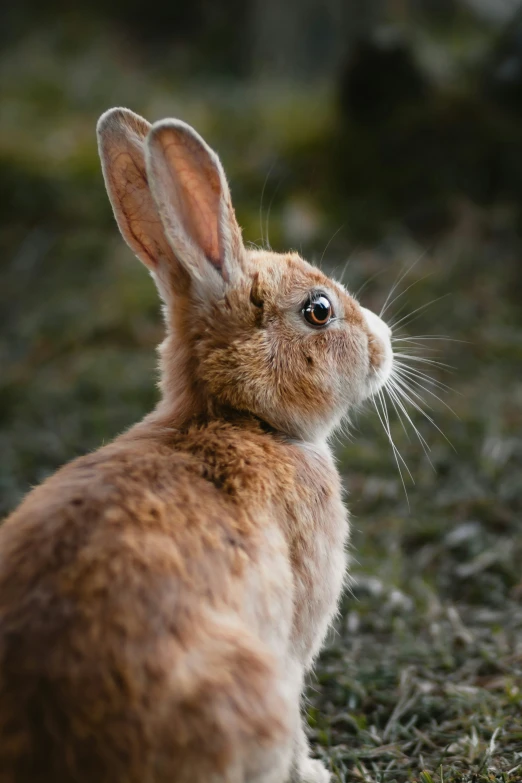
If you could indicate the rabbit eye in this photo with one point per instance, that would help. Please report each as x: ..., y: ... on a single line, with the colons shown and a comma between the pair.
x: 318, y: 310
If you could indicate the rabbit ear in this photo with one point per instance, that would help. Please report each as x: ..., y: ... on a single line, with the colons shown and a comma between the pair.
x: 121, y: 144
x: 193, y: 199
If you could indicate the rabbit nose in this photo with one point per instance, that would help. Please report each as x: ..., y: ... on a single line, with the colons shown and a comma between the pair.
x: 376, y: 324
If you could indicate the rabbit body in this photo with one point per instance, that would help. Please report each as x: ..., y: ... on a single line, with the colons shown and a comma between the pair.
x: 162, y: 599
x: 159, y: 602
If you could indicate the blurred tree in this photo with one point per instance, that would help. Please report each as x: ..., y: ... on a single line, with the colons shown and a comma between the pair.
x: 380, y: 79
x: 502, y: 73
x: 214, y: 31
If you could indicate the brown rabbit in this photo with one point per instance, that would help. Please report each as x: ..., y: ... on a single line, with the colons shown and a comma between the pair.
x: 162, y: 599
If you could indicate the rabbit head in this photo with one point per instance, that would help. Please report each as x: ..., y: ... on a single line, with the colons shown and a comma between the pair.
x: 248, y: 330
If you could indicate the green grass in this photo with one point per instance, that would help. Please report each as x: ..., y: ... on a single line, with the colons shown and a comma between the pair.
x: 422, y: 679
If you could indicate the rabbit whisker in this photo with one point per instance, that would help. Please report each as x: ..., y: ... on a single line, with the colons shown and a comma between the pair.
x: 396, y: 298
x: 261, y: 204
x: 408, y: 318
x: 383, y: 418
x: 414, y: 372
x: 367, y: 282
x: 396, y: 401
x: 328, y: 245
x: 274, y: 194
x: 444, y: 337
x: 410, y: 377
x: 398, y: 282
x: 408, y: 394
x: 424, y: 360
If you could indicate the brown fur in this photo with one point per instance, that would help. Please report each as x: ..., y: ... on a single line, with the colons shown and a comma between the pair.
x: 162, y: 598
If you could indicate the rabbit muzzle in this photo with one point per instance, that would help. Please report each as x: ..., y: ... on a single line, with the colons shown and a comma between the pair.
x: 380, y: 352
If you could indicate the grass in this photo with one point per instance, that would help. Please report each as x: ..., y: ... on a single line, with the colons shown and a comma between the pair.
x: 422, y: 678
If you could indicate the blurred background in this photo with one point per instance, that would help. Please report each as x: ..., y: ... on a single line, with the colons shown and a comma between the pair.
x: 382, y: 139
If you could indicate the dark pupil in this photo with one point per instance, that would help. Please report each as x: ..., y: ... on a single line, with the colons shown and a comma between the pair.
x: 321, y: 309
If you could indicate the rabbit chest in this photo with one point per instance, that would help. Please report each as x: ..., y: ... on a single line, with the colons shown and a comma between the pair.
x: 293, y: 487
x: 317, y: 534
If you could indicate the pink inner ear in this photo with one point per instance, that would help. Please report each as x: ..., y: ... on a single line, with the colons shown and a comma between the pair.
x: 134, y: 207
x: 142, y: 219
x: 199, y: 199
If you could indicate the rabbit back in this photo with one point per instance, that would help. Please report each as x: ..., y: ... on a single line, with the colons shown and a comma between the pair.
x: 145, y: 614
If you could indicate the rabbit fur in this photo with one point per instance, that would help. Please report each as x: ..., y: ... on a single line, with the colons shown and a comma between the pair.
x: 162, y: 599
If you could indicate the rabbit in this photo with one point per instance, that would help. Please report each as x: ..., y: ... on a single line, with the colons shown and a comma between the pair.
x: 162, y: 599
